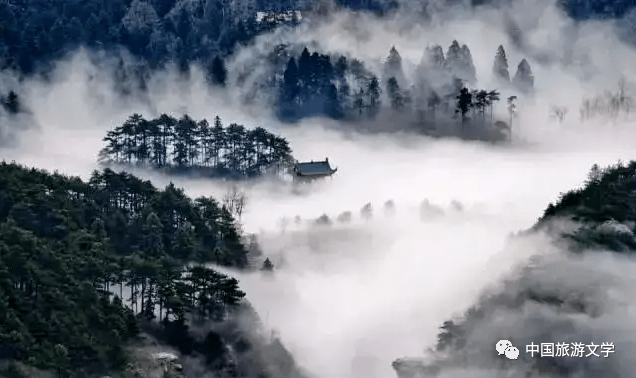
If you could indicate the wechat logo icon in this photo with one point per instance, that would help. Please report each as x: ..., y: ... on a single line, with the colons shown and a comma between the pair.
x: 505, y: 347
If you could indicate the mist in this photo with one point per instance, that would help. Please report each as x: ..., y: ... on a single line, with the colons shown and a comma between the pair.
x: 348, y: 299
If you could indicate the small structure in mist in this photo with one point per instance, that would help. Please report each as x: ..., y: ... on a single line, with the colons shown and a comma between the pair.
x: 312, y: 170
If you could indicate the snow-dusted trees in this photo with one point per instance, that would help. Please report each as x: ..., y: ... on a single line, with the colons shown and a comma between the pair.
x: 140, y: 18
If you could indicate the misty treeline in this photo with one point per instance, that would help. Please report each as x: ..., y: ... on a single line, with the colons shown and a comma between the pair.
x: 159, y: 31
x: 604, y: 207
x: 312, y: 84
x: 610, y: 103
x: 34, y: 33
x: 601, y: 216
x: 80, y: 261
x: 185, y: 144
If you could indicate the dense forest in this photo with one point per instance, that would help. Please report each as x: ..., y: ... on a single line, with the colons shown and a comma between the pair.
x: 311, y: 85
x: 604, y: 214
x: 34, y: 33
x: 158, y: 31
x: 603, y: 207
x: 187, y: 145
x: 315, y: 86
x: 69, y: 250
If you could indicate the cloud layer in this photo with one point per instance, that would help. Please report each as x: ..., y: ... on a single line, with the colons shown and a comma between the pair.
x: 377, y: 290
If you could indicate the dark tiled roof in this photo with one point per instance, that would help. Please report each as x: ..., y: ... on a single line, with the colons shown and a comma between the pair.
x: 314, y: 168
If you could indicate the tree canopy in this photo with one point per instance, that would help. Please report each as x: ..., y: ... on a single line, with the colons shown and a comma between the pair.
x: 70, y: 249
x: 185, y: 145
x: 603, y: 207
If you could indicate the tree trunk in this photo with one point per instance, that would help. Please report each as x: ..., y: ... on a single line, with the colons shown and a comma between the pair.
x: 143, y: 293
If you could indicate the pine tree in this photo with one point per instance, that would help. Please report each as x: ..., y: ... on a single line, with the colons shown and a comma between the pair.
x: 493, y: 96
x: 291, y: 86
x: 395, y: 95
x: 524, y: 80
x: 152, y: 236
x: 481, y: 102
x: 267, y: 265
x: 344, y: 97
x: 304, y: 68
x: 219, y: 141
x: 332, y: 105
x: 373, y: 92
x: 464, y: 102
x: 341, y: 67
x: 358, y: 102
x: 435, y: 57
x: 219, y: 72
x: 393, y: 67
x: 500, y: 68
x: 468, y: 66
x: 460, y: 62
x: 11, y: 103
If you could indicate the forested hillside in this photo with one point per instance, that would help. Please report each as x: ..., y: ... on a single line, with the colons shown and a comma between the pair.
x: 186, y: 146
x: 440, y: 91
x: 547, y: 299
x: 69, y: 250
x: 157, y: 31
x: 161, y: 31
x: 605, y: 208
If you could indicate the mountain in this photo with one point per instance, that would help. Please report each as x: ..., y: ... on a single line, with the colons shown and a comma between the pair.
x: 575, y: 300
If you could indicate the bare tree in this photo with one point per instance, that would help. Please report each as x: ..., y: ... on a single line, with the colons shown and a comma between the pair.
x: 608, y: 103
x: 234, y: 200
x: 559, y: 112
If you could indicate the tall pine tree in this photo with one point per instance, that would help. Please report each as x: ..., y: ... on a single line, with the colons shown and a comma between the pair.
x: 500, y: 68
x: 218, y: 71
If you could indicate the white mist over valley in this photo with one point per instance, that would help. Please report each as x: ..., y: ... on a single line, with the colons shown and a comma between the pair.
x: 347, y: 299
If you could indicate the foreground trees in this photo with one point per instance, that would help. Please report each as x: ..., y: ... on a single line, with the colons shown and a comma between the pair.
x: 79, y: 261
x: 185, y: 144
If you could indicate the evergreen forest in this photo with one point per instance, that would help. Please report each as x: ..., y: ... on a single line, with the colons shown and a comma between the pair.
x: 70, y: 250
x: 185, y: 145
